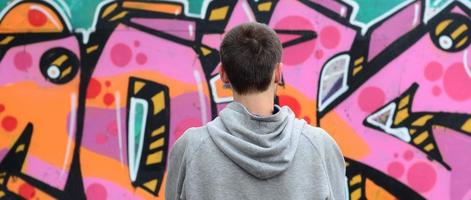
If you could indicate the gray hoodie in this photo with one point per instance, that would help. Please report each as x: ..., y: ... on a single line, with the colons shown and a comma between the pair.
x: 240, y: 155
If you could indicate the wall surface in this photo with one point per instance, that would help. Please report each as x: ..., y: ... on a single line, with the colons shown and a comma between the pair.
x: 93, y: 94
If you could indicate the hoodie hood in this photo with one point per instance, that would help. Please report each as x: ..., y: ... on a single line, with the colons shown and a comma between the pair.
x: 262, y: 146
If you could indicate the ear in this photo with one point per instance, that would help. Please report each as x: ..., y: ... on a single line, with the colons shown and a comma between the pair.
x: 223, y: 75
x: 278, y: 72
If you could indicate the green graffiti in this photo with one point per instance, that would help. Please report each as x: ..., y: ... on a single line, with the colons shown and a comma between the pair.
x: 3, y: 4
x: 196, y: 7
x: 436, y: 3
x: 369, y: 10
x: 138, y: 127
x: 82, y: 12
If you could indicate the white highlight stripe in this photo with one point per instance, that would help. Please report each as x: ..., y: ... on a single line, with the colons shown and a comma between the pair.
x: 343, y: 11
x: 117, y: 97
x: 247, y: 11
x: 199, y: 85
x: 416, y: 14
x: 465, y: 62
x: 70, y: 138
x: 190, y: 30
x: 65, y: 7
x: 436, y: 3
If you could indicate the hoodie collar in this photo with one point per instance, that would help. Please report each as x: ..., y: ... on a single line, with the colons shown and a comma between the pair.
x: 262, y: 146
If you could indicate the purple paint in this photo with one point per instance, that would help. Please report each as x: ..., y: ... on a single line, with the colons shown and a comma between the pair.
x: 334, y: 6
x: 454, y: 147
x: 385, y: 35
x: 185, y: 112
x: 3, y: 153
x: 100, y: 137
x: 180, y: 28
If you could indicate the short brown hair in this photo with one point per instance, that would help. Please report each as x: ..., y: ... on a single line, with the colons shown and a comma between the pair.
x: 249, y: 54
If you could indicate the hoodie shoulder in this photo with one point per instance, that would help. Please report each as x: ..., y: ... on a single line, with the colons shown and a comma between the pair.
x: 193, y: 134
x: 332, y: 159
x: 321, y: 140
x: 179, y: 157
x: 191, y: 140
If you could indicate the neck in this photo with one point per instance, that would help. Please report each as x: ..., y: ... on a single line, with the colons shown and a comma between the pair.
x: 261, y: 103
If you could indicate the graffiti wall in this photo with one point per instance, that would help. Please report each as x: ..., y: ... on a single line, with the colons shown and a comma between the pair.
x: 94, y: 93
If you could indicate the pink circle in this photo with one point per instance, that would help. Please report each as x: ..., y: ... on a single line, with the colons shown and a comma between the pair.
x: 96, y: 191
x: 433, y: 71
x: 330, y: 37
x: 436, y: 91
x: 319, y: 54
x: 121, y: 54
x: 370, y: 99
x: 141, y: 58
x: 23, y: 61
x: 298, y: 53
x: 408, y: 155
x: 112, y: 128
x: 421, y: 177
x: 457, y: 82
x: 137, y: 43
x: 101, y: 138
x: 395, y: 169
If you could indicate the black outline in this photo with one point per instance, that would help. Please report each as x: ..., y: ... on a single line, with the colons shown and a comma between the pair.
x: 146, y: 173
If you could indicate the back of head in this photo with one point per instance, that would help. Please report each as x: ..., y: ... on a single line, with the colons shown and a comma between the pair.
x: 249, y: 55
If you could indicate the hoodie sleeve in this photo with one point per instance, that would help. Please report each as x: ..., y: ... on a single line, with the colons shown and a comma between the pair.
x: 176, y: 170
x: 335, y: 166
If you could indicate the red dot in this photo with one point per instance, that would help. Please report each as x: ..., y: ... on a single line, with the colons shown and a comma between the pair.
x: 121, y: 54
x: 433, y: 71
x: 2, y: 108
x: 36, y: 18
x: 456, y: 82
x: 408, y: 155
x: 107, y: 83
x: 9, y: 123
x: 307, y: 119
x: 291, y: 102
x: 141, y: 58
x: 370, y: 99
x: 330, y: 37
x: 96, y: 191
x: 108, y: 99
x: 421, y: 177
x: 27, y: 191
x: 395, y: 169
x: 94, y: 89
x: 23, y: 61
x: 319, y: 54
x: 298, y: 53
x: 436, y: 91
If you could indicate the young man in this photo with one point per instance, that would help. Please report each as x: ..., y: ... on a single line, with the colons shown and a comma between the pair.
x: 255, y: 149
